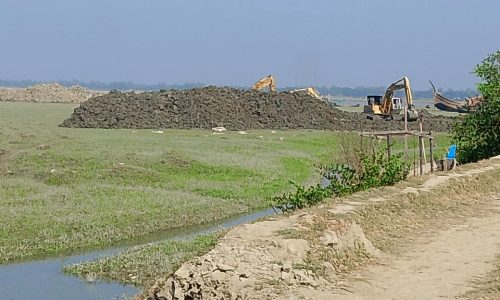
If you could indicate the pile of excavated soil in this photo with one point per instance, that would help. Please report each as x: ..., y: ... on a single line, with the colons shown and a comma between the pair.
x: 48, y: 93
x: 231, y: 108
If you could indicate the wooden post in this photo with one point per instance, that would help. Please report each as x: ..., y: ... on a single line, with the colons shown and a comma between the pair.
x: 406, y: 130
x: 430, y: 152
x: 414, y: 162
x: 421, y: 154
x: 388, y: 147
x: 422, y: 141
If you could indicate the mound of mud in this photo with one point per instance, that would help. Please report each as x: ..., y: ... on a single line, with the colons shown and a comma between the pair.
x: 234, y: 109
x: 48, y: 93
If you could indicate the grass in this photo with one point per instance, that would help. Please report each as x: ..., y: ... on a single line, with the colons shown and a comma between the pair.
x: 141, y: 265
x: 63, y: 190
x: 392, y: 224
x: 487, y: 288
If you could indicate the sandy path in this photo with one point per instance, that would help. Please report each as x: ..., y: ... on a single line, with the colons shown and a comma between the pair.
x: 439, y: 267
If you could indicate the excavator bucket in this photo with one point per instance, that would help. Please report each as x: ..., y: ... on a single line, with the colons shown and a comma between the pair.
x: 412, y: 115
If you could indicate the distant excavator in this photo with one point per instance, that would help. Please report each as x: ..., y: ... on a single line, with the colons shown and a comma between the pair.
x: 311, y: 91
x: 389, y: 107
x: 267, y: 81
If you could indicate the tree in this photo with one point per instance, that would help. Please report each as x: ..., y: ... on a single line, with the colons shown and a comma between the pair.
x: 478, y: 135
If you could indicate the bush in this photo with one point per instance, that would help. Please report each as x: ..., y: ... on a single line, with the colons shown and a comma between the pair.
x: 478, y: 135
x: 372, y: 171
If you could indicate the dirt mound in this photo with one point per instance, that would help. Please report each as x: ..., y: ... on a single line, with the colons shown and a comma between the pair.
x: 51, y: 93
x: 250, y: 257
x: 234, y: 109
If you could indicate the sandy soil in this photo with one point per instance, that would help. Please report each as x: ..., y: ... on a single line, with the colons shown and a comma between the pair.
x: 254, y: 261
x: 442, y: 266
x: 48, y: 93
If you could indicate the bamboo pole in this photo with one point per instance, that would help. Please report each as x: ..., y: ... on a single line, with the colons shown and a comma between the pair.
x: 421, y: 154
x: 406, y: 130
x: 430, y: 153
x: 388, y: 147
x: 422, y: 146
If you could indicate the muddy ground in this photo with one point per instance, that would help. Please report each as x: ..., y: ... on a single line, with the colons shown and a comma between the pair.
x: 48, y: 93
x: 231, y: 108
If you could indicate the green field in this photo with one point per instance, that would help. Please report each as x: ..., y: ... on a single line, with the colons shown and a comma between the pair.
x: 64, y: 189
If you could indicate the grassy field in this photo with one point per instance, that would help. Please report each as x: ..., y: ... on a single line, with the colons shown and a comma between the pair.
x: 64, y: 189
x: 142, y: 265
x: 391, y: 225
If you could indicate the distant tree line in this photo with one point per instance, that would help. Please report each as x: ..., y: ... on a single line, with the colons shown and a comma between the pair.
x: 102, y: 86
x: 357, y: 92
x: 362, y: 92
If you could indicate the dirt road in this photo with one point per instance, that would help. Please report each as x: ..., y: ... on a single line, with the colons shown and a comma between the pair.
x: 441, y: 266
x: 445, y: 231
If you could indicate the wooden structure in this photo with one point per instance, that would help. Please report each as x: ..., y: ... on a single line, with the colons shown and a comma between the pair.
x: 421, y: 137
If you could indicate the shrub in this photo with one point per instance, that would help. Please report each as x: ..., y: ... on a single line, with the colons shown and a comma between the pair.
x: 373, y: 170
x: 478, y: 135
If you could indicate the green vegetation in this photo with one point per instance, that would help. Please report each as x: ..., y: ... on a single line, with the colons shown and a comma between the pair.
x: 478, y: 135
x: 63, y: 189
x: 368, y: 171
x: 141, y: 265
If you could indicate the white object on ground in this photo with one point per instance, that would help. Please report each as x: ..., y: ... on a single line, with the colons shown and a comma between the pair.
x: 218, y: 129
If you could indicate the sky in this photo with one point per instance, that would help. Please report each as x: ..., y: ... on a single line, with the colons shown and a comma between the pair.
x: 235, y: 42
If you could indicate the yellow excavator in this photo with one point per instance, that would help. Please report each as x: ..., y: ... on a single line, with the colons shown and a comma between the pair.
x: 311, y: 91
x: 389, y: 107
x: 267, y: 81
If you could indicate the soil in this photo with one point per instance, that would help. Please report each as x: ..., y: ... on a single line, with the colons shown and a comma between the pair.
x: 48, y: 93
x: 234, y: 109
x: 270, y: 260
x: 251, y: 259
x: 438, y: 267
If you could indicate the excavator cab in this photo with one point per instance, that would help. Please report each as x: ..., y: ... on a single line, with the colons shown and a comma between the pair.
x: 397, y: 104
x: 374, y: 100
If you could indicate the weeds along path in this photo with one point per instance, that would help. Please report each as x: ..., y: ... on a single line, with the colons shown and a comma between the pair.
x: 438, y: 267
x: 427, y: 238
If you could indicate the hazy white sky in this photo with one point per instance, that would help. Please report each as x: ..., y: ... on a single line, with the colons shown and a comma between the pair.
x: 231, y: 42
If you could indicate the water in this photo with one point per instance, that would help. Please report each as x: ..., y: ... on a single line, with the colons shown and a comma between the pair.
x: 44, y: 279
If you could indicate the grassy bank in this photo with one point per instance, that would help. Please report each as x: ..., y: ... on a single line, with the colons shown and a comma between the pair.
x: 393, y: 223
x: 390, y: 225
x: 141, y: 265
x: 65, y: 189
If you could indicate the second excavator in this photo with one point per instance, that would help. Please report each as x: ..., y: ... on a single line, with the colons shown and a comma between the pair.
x: 267, y: 81
x: 389, y: 107
x: 311, y: 91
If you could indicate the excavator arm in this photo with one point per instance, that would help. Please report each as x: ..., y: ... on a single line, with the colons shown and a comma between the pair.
x: 267, y: 81
x: 310, y: 90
